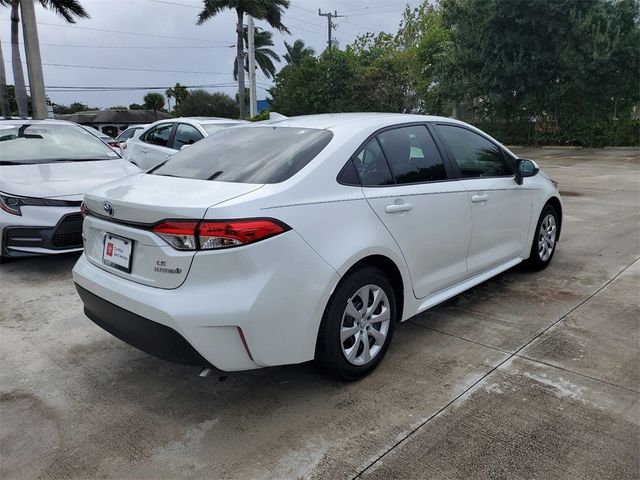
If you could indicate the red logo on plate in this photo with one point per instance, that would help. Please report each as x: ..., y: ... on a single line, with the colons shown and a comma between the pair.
x: 109, y: 249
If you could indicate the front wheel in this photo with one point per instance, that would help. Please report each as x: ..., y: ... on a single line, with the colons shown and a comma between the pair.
x: 357, y: 325
x: 545, y: 240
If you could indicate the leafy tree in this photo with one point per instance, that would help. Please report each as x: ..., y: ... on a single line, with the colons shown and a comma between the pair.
x: 154, y: 101
x: 136, y: 106
x: 75, y: 107
x: 262, y: 40
x: 269, y: 10
x: 200, y: 103
x: 118, y: 107
x: 318, y: 85
x: 297, y: 51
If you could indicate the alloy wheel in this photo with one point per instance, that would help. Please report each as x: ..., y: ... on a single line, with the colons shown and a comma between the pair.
x: 365, y: 324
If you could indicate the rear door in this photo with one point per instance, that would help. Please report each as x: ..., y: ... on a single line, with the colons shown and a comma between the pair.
x: 501, y: 208
x: 405, y: 179
x: 153, y: 147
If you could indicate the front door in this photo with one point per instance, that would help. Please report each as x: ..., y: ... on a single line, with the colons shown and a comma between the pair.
x: 501, y: 209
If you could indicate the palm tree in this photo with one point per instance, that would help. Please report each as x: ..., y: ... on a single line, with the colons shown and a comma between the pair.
x: 269, y: 10
x: 16, y: 61
x: 262, y: 39
x: 155, y: 102
x: 169, y: 94
x: 67, y: 9
x: 180, y: 93
x: 297, y: 51
x: 4, y: 94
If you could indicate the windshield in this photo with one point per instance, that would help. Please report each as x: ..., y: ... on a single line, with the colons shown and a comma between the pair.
x: 212, y: 128
x: 30, y: 143
x: 248, y: 155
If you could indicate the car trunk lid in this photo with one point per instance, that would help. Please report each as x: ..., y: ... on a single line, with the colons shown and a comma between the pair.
x: 121, y: 217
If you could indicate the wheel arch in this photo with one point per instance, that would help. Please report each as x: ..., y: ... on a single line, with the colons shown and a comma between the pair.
x: 555, y: 203
x: 391, y: 270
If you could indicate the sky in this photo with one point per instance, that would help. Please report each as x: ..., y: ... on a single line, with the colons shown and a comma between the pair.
x: 156, y: 43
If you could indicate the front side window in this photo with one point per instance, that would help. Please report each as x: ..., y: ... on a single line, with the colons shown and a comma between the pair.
x: 159, y: 135
x: 412, y: 155
x: 186, y: 135
x: 372, y: 166
x: 248, y: 155
x: 475, y: 156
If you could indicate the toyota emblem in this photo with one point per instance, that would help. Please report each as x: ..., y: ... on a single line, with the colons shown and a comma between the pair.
x: 108, y: 209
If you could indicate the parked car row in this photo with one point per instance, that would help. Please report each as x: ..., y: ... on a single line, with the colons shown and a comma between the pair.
x: 269, y: 244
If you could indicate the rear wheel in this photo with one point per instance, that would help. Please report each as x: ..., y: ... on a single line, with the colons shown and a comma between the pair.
x: 545, y: 240
x: 357, y: 325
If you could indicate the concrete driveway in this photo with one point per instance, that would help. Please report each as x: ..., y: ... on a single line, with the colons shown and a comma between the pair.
x: 525, y: 376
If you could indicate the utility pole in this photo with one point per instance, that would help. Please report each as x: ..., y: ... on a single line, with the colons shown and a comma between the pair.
x: 330, y: 24
x: 253, y: 102
x: 34, y: 62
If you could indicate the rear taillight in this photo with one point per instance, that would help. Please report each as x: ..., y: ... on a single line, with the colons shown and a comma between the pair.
x: 179, y: 234
x: 212, y: 235
x: 83, y: 209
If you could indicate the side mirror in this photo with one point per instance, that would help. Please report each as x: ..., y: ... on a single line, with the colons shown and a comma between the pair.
x: 525, y: 168
x: 186, y: 145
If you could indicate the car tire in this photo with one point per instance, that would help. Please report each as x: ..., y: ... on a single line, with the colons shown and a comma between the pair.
x: 545, y: 239
x: 351, y: 343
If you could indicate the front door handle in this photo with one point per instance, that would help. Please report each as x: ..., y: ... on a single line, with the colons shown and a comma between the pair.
x: 479, y: 198
x: 398, y: 208
x: 143, y: 150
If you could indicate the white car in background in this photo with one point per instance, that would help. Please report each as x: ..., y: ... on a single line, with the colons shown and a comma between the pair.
x: 133, y: 131
x: 308, y: 238
x: 102, y: 136
x: 163, y: 138
x: 46, y: 166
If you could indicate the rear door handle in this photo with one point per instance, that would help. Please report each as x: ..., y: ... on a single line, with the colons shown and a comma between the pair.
x: 479, y: 198
x: 398, y: 208
x: 143, y: 150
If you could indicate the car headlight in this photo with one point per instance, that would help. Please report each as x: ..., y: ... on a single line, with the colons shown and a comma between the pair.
x: 12, y: 203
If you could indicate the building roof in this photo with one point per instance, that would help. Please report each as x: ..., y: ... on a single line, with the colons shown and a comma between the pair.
x: 114, y: 116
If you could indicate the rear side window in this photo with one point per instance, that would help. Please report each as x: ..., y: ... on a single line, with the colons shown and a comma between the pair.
x: 412, y: 155
x: 475, y: 156
x: 372, y: 166
x: 159, y: 135
x: 186, y: 135
x: 248, y: 155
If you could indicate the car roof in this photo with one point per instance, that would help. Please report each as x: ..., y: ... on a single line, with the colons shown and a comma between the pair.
x: 200, y: 120
x: 333, y: 121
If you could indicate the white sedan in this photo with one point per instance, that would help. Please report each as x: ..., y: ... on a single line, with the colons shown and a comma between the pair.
x: 309, y: 238
x: 46, y: 167
x: 161, y: 139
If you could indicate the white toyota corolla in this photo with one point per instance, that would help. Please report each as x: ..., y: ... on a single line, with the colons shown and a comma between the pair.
x: 308, y: 238
x: 46, y: 166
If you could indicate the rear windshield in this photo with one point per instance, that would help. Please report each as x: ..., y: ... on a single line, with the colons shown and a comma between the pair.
x: 26, y: 143
x: 248, y: 155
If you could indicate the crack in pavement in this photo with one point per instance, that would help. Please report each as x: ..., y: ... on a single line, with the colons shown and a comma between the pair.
x: 493, y: 369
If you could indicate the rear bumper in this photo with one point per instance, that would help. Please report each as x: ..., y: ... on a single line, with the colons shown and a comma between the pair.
x: 146, y: 335
x: 239, y: 309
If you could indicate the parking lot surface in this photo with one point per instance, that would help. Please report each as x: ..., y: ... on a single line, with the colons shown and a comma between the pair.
x: 528, y: 375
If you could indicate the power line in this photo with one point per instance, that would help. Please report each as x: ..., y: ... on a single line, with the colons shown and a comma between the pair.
x: 126, y: 33
x: 96, y: 67
x: 129, y: 47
